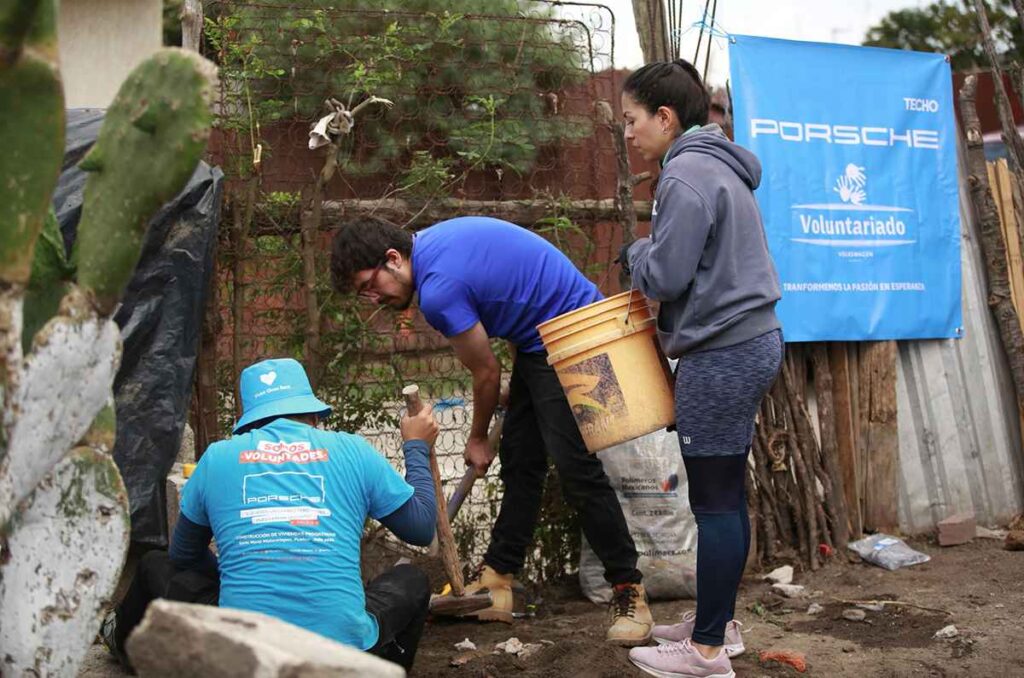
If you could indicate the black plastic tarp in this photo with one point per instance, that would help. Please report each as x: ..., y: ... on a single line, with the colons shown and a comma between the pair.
x: 160, y: 318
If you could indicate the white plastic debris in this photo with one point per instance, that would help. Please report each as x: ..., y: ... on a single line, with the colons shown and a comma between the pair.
x: 887, y: 551
x: 511, y: 646
x: 947, y: 632
x: 781, y: 575
x: 466, y: 644
x: 790, y: 590
x: 815, y: 608
x: 318, y: 136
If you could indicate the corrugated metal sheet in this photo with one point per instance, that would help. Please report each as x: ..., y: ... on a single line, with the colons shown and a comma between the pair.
x: 959, y: 427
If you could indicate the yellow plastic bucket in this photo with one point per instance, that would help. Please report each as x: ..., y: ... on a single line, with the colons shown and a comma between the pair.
x: 614, y: 375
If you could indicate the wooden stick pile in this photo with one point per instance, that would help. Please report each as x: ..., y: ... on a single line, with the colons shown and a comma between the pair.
x: 795, y: 487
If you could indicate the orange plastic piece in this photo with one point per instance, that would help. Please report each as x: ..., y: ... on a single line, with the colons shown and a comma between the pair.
x: 790, y: 657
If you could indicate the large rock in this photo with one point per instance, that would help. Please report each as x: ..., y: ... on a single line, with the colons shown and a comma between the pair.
x: 181, y: 639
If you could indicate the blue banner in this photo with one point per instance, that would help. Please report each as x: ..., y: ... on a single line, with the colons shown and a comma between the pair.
x: 859, y: 190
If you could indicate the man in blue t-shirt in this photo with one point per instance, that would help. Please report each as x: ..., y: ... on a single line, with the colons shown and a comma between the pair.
x: 479, y: 279
x: 286, y: 503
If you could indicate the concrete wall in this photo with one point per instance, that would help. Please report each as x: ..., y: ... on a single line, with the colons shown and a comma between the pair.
x: 100, y: 42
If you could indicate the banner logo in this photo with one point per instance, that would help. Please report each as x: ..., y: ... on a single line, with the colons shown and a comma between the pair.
x: 850, y: 186
x: 865, y: 228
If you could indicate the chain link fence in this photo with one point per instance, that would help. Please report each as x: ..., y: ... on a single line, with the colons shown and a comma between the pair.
x: 488, y: 107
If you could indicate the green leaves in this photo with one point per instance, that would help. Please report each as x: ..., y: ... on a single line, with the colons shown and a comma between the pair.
x: 468, y: 79
x: 950, y: 28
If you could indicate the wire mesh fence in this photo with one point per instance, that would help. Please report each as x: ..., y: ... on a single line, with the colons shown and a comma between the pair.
x: 441, y: 108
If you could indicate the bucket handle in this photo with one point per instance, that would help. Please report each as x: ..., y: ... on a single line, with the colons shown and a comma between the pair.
x: 629, y: 308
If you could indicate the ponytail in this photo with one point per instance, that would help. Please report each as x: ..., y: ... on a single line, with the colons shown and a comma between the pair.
x: 675, y: 84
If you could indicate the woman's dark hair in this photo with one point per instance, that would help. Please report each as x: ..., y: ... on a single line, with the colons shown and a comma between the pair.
x: 362, y: 245
x: 675, y: 84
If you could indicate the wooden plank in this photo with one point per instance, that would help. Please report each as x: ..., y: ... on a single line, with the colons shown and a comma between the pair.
x: 1002, y: 183
x: 846, y: 440
x: 836, y: 497
x: 881, y: 469
x: 863, y: 402
x: 1008, y: 221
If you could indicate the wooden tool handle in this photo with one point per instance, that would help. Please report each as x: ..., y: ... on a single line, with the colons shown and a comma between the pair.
x: 412, y: 399
x: 445, y: 539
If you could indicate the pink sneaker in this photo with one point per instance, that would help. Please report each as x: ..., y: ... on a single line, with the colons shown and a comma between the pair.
x: 680, y: 660
x: 677, y: 632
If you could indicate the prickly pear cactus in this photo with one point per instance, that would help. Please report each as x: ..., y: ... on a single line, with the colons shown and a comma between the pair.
x: 146, y: 151
x: 63, y: 507
x: 32, y: 134
x: 77, y: 511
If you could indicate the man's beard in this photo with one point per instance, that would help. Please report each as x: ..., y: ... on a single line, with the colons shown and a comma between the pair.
x: 403, y: 305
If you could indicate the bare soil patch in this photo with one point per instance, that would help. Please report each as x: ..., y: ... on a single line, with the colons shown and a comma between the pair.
x: 979, y: 584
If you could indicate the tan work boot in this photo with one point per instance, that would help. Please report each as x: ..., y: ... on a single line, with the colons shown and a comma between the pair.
x: 631, y: 618
x: 500, y: 588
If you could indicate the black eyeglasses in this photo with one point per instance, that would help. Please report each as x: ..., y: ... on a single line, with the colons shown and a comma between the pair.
x: 364, y: 289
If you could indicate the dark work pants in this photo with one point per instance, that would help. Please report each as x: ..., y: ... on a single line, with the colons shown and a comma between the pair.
x: 156, y: 577
x: 398, y: 600
x: 539, y: 424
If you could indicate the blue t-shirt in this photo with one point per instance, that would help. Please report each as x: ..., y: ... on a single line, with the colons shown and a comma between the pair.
x: 287, y: 504
x: 478, y: 269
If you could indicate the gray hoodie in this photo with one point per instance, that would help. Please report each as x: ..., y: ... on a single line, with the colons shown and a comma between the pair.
x: 707, y: 259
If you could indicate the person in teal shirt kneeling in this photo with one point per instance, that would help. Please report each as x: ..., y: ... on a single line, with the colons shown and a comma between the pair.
x: 286, y: 503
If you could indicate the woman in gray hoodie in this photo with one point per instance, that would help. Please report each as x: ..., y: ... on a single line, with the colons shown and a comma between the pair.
x: 707, y: 263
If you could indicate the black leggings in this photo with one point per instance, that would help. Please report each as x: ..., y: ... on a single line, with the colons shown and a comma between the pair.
x: 719, y: 503
x: 717, y: 396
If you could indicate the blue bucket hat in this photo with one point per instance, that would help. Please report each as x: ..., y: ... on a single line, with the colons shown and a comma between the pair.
x: 274, y: 388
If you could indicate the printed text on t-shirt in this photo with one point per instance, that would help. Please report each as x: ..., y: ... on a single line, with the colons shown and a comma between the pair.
x: 268, y: 452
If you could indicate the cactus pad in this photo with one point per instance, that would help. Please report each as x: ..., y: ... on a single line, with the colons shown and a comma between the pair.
x: 32, y: 133
x: 51, y: 275
x: 152, y: 138
x: 66, y: 553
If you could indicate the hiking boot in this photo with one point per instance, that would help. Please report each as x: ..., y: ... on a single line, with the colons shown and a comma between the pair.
x: 680, y: 660
x: 684, y: 629
x: 500, y: 588
x: 631, y: 618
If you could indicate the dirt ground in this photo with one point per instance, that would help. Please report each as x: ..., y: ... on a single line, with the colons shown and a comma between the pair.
x: 978, y: 584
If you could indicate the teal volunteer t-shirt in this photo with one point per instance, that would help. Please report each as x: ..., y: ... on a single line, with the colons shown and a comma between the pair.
x: 287, y: 504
